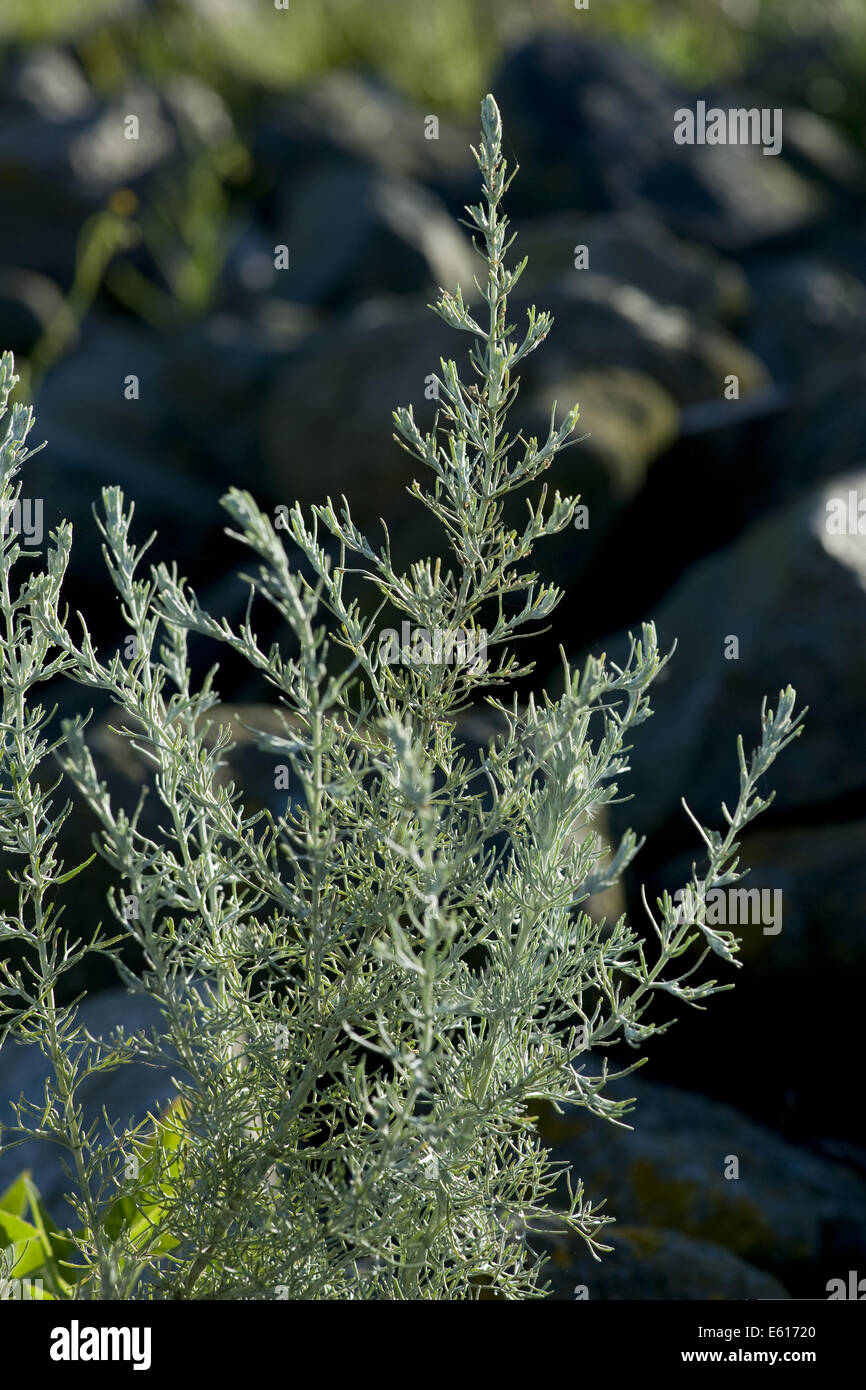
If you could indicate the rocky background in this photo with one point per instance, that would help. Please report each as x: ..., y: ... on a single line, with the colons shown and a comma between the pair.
x: 154, y: 258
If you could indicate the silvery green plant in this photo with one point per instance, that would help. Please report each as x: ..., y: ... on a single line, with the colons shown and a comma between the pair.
x: 366, y: 992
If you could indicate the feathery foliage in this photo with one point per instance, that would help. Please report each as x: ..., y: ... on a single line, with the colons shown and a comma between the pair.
x: 364, y: 992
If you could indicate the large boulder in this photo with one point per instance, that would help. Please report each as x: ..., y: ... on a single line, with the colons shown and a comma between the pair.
x: 399, y: 237
x: 648, y: 1262
x: 637, y: 358
x: 64, y: 151
x: 111, y: 414
x: 693, y: 1165
x: 592, y: 125
x: 815, y: 923
x: 230, y: 358
x: 626, y: 422
x: 823, y: 153
x: 821, y: 434
x: 802, y: 944
x: 606, y: 322
x: 357, y: 116
x: 638, y: 250
x: 785, y: 604
x: 808, y: 321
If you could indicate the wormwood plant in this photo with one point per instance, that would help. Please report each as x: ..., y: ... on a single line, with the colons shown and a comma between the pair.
x: 366, y: 991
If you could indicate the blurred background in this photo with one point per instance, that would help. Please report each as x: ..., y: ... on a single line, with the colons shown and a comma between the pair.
x: 220, y: 225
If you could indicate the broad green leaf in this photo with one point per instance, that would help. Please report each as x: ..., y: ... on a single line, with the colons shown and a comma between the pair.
x: 159, y: 1157
x: 13, y: 1230
x: 14, y: 1200
x: 29, y: 1255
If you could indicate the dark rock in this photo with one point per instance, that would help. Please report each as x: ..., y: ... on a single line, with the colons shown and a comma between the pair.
x: 820, y: 871
x: 333, y: 405
x: 648, y: 1262
x: 63, y: 151
x: 326, y: 427
x: 808, y: 322
x: 812, y: 146
x: 628, y: 420
x: 600, y: 323
x: 351, y: 232
x: 175, y: 447
x: 128, y: 1094
x: 840, y: 1151
x: 802, y: 949
x: 355, y: 116
x: 675, y: 518
x: 249, y: 268
x: 639, y: 251
x: 98, y: 437
x: 821, y: 435
x: 793, y: 595
x: 592, y: 125
x: 788, y: 1211
x: 821, y: 151
x: 214, y: 378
